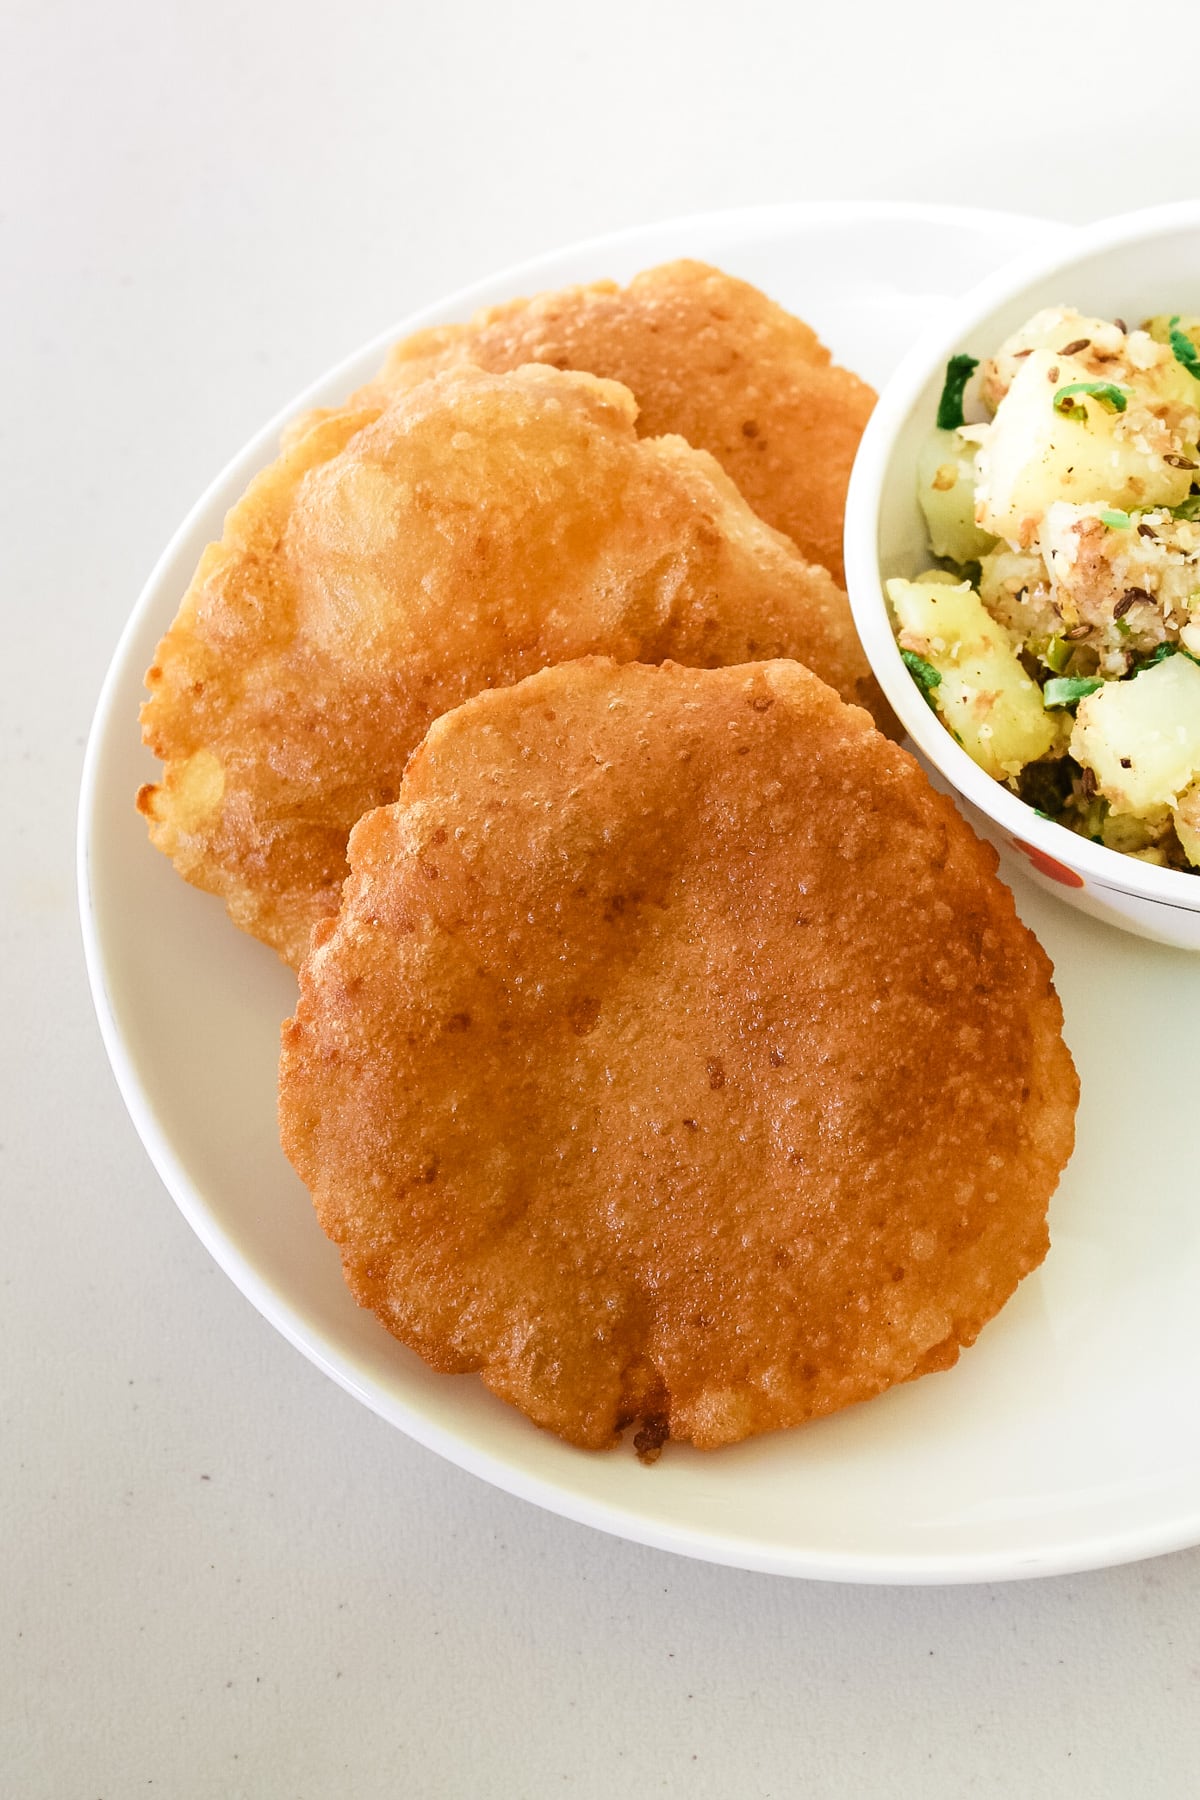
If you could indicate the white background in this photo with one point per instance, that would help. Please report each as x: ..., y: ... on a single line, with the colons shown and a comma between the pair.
x: 219, y: 1576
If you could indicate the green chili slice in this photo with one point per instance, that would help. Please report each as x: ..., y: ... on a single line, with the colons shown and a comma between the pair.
x: 1183, y: 348
x: 923, y: 673
x: 1069, y: 690
x: 959, y: 371
x: 1104, y: 393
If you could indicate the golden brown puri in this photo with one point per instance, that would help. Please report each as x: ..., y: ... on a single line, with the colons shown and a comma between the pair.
x: 676, y: 1057
x: 706, y: 356
x: 389, y: 565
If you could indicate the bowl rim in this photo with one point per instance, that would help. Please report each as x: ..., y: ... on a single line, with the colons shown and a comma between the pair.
x: 1111, y: 870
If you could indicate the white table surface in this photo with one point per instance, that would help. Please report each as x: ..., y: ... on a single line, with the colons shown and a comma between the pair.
x: 219, y: 1576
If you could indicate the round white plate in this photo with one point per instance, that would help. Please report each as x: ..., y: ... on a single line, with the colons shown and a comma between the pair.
x: 1065, y: 1439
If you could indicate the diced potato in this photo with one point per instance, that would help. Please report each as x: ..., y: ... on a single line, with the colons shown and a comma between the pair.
x: 1187, y: 823
x: 984, y: 697
x: 1015, y: 588
x: 1051, y: 329
x: 1159, y: 327
x: 1097, y: 558
x: 1123, y: 832
x: 1034, y: 455
x: 946, y: 491
x: 1153, y: 724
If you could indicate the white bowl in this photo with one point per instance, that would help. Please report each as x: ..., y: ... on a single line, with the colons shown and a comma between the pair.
x: 1129, y: 267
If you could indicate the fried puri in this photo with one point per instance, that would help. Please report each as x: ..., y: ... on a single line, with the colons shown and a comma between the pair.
x: 707, y: 356
x: 394, y: 562
x: 676, y: 1058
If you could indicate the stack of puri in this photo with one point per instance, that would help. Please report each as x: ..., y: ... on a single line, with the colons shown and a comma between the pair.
x: 666, y: 1051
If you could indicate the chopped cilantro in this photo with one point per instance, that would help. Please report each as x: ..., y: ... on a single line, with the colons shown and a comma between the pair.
x: 1159, y: 654
x: 1187, y: 509
x: 923, y: 673
x: 1115, y: 519
x: 1104, y: 393
x: 1069, y: 690
x: 1184, y: 350
x: 959, y: 371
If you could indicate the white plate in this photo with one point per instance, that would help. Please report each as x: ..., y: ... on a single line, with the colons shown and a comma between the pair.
x: 1063, y: 1440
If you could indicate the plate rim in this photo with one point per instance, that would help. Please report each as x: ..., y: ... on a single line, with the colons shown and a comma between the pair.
x: 1095, y: 1550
